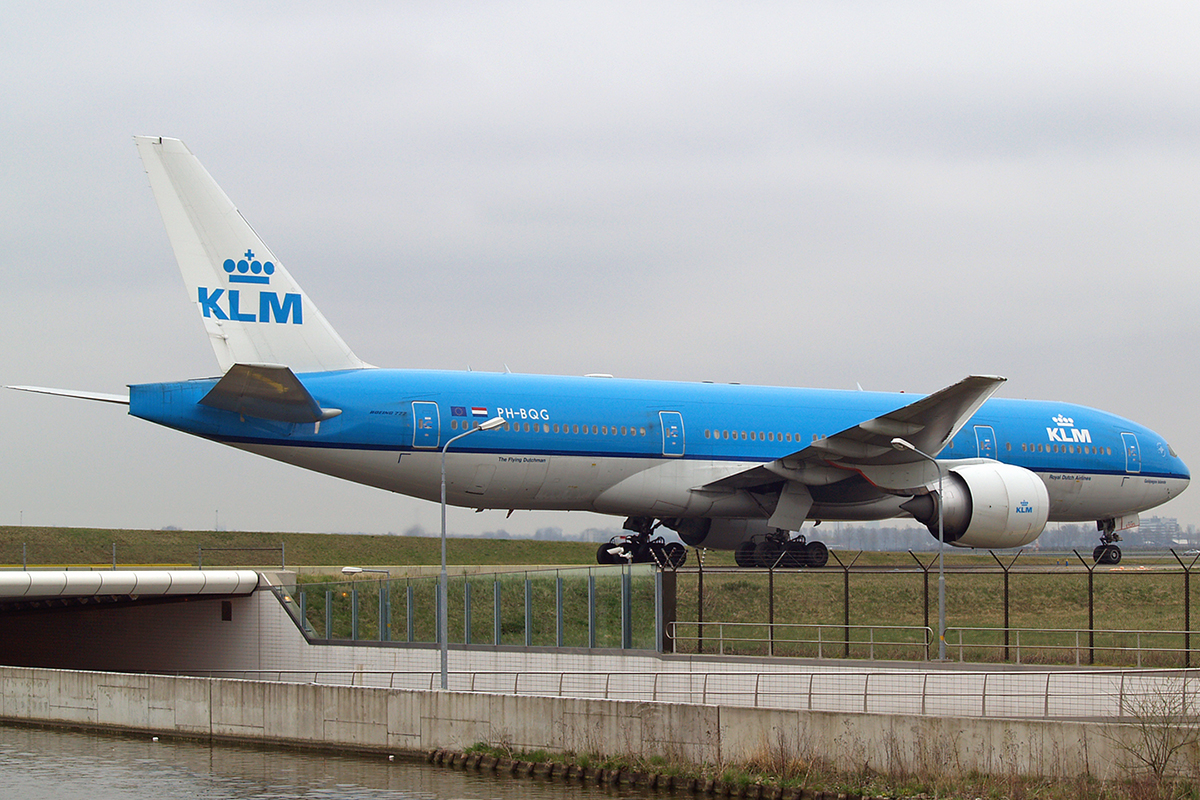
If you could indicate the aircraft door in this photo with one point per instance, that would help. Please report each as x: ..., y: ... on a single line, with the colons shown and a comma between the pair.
x: 672, y: 432
x: 427, y: 426
x: 1133, y: 455
x: 985, y: 441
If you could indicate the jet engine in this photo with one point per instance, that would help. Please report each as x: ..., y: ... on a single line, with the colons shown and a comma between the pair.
x: 989, y: 505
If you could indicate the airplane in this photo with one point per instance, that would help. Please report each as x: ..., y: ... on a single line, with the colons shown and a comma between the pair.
x: 733, y: 467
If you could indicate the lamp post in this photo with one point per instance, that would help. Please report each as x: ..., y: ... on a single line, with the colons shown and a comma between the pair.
x: 903, y: 444
x: 357, y: 570
x: 443, y: 588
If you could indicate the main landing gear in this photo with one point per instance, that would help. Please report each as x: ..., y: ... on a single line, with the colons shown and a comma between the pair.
x: 639, y: 548
x: 777, y: 550
x: 1107, y: 551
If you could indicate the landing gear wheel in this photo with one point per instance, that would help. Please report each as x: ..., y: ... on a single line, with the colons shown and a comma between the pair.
x: 605, y: 557
x: 817, y: 553
x: 1107, y: 554
x: 744, y: 555
x: 796, y: 554
x: 674, y: 555
x: 768, y: 553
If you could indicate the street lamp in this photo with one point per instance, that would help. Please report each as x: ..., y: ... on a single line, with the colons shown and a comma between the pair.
x: 357, y: 570
x: 903, y: 444
x: 443, y: 588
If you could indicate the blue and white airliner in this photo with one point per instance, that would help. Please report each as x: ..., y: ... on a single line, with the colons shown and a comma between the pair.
x: 725, y: 466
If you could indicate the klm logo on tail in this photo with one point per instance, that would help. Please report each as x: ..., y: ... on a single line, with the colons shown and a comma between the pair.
x: 270, y: 308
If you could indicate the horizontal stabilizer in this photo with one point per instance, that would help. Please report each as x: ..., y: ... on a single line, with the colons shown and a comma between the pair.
x: 99, y: 396
x: 266, y: 391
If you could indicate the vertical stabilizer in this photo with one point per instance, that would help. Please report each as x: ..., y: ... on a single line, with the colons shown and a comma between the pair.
x: 253, y: 311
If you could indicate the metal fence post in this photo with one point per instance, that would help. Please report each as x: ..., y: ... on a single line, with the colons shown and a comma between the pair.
x: 846, y: 595
x: 591, y: 609
x: 496, y: 611
x: 558, y: 609
x: 354, y: 613
x: 1187, y: 608
x: 329, y: 614
x: 626, y: 608
x: 700, y: 552
x: 925, y: 570
x: 408, y: 609
x: 1006, y: 569
x: 658, y: 611
x: 383, y: 611
x: 1091, y: 568
x: 528, y: 611
x: 466, y: 610
x: 771, y: 611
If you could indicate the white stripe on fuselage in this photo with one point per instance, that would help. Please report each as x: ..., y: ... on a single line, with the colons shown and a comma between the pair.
x: 653, y: 487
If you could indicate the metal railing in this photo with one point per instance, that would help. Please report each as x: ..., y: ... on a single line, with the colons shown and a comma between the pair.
x: 1082, y: 643
x: 1089, y: 694
x: 899, y: 642
x: 824, y: 638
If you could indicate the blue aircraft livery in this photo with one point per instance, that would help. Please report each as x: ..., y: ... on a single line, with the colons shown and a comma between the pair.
x: 724, y: 466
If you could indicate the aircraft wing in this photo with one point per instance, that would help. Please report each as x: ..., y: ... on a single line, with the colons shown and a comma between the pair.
x: 266, y: 391
x: 866, y: 449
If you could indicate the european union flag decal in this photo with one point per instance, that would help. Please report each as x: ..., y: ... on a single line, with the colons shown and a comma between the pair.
x: 458, y: 411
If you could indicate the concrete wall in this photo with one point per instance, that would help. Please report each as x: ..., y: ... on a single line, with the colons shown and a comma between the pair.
x: 403, y: 720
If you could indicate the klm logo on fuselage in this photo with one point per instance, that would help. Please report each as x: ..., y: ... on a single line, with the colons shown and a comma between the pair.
x: 231, y: 304
x: 1067, y: 432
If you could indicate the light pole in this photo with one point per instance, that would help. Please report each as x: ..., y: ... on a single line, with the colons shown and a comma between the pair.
x: 385, y: 623
x: 356, y: 570
x: 443, y: 588
x: 903, y: 444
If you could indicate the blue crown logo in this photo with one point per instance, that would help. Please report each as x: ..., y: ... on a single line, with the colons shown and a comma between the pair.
x: 248, y: 270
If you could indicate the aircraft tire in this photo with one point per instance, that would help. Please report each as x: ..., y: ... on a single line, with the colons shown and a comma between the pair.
x: 796, y: 555
x: 744, y: 555
x: 1112, y: 554
x: 1098, y: 554
x: 768, y: 553
x: 603, y: 556
x: 818, y: 554
x: 676, y: 555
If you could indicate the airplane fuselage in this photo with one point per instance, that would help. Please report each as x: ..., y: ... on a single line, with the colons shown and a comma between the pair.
x: 633, y: 447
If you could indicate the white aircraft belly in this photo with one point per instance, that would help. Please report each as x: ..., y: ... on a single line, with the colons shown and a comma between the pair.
x: 481, y: 480
x: 1076, y: 497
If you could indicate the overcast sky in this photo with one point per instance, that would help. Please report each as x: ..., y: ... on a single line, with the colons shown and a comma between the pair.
x: 802, y: 194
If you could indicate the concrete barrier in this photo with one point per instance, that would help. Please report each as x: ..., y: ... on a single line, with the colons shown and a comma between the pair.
x: 366, y: 718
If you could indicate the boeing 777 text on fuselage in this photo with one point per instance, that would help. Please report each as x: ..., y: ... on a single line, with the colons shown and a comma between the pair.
x: 725, y: 466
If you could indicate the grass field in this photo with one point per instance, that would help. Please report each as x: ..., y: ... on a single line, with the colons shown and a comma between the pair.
x: 884, y: 589
x: 90, y: 546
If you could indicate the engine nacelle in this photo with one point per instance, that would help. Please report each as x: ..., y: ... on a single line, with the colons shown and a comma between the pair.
x: 718, y: 534
x: 986, y: 505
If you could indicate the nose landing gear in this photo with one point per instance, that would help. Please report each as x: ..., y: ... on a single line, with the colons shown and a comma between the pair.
x: 1107, y: 552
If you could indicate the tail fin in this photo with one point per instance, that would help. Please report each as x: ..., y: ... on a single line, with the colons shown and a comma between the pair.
x: 253, y: 311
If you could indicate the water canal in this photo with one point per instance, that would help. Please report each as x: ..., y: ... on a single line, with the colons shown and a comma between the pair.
x: 55, y: 764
